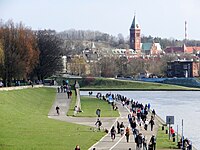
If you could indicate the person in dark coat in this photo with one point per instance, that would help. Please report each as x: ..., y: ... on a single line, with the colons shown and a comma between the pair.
x: 113, y: 132
x: 98, y: 124
x: 153, y: 142
x: 57, y: 110
x: 139, y: 141
x: 151, y: 122
x: 118, y: 127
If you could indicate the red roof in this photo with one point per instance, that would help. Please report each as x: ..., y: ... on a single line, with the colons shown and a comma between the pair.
x: 182, y: 49
x: 191, y: 49
x: 174, y: 50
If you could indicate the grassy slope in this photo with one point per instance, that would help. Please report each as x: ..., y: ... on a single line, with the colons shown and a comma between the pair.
x: 89, y: 106
x: 127, y: 84
x: 163, y: 141
x: 24, y: 123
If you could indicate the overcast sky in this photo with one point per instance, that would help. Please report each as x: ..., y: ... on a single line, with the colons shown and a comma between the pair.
x: 158, y: 18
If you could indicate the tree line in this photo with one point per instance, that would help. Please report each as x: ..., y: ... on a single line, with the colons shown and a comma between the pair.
x: 121, y: 66
x: 26, y: 54
x: 120, y: 41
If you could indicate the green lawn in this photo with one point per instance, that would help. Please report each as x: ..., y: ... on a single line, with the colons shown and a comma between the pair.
x: 112, y: 84
x: 89, y: 106
x: 163, y: 141
x: 24, y: 123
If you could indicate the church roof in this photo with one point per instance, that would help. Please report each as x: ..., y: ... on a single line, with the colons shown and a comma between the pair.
x: 146, y: 46
x: 135, y: 24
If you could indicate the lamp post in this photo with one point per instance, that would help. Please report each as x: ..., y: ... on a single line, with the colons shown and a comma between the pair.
x: 182, y: 135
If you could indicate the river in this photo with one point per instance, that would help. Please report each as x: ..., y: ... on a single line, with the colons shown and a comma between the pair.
x: 180, y: 104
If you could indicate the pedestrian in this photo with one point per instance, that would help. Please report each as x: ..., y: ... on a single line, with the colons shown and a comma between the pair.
x: 61, y: 88
x: 122, y: 128
x: 144, y: 143
x: 58, y: 90
x: 146, y: 124
x: 68, y: 94
x: 98, y: 124
x: 77, y: 147
x: 118, y: 127
x: 153, y: 142
x: 57, y: 110
x: 153, y: 112
x: 149, y: 106
x: 151, y: 122
x: 123, y: 103
x: 138, y: 141
x: 113, y: 132
x: 172, y: 132
x: 98, y: 112
x: 127, y: 134
x: 75, y: 110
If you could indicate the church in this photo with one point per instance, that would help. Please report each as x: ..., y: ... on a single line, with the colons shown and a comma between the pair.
x: 142, y: 49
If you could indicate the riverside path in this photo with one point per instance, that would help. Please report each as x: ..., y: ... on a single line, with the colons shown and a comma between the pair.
x: 105, y: 142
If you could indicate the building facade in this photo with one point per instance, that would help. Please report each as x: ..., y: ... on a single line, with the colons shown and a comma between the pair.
x: 183, y: 68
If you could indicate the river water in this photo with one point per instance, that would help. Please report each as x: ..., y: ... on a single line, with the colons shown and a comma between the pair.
x: 180, y: 104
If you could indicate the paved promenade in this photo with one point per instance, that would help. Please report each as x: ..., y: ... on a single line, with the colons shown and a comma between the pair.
x: 105, y: 143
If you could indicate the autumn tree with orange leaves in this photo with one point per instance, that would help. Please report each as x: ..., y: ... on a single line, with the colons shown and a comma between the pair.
x: 18, y: 52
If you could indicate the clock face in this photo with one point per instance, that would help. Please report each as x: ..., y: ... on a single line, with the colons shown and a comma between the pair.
x: 137, y: 26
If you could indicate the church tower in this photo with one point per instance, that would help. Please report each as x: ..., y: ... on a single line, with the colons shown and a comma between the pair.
x: 135, y: 39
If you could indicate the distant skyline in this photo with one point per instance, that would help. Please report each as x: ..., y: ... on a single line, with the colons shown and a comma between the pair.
x: 158, y: 18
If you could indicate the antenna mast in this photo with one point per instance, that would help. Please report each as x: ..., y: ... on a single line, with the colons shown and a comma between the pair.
x: 185, y: 31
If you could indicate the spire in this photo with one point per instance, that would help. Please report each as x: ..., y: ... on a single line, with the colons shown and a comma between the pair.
x: 135, y: 24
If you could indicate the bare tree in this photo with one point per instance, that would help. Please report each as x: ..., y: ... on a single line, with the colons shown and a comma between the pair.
x: 20, y: 53
x: 50, y: 59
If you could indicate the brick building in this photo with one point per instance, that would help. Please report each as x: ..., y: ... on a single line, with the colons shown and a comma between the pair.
x: 142, y: 49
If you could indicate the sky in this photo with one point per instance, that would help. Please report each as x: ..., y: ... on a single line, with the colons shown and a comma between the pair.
x: 158, y: 18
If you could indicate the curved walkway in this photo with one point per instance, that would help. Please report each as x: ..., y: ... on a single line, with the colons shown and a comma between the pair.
x: 105, y: 143
x: 63, y: 102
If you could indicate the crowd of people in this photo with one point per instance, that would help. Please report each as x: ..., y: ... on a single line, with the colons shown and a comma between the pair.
x: 138, y: 118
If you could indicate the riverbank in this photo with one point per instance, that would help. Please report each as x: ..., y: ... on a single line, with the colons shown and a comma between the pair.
x: 137, y: 89
x: 91, y: 83
x: 162, y: 101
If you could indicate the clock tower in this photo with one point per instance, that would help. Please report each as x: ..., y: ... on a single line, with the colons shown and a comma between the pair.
x: 135, y: 39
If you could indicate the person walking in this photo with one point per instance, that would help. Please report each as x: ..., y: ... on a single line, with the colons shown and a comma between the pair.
x: 146, y: 124
x: 144, y: 141
x: 151, y: 122
x: 113, y: 132
x: 127, y: 134
x: 57, y: 110
x: 122, y: 127
x: 118, y: 127
x: 98, y: 124
x: 172, y: 132
x: 153, y: 142
x: 154, y: 113
x: 138, y: 141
